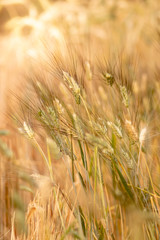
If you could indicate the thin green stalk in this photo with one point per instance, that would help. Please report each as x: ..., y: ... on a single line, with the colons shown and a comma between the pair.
x: 101, y: 189
x: 95, y: 175
x: 49, y: 162
x: 84, y: 103
x: 36, y: 144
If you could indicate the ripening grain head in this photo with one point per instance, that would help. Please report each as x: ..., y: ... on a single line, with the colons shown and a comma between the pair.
x: 142, y: 135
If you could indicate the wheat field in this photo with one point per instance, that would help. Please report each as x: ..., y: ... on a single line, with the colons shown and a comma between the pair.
x: 80, y: 119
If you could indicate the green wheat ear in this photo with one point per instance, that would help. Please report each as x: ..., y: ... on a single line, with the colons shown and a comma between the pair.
x: 124, y: 95
x: 72, y: 84
x: 5, y: 150
x: 116, y: 128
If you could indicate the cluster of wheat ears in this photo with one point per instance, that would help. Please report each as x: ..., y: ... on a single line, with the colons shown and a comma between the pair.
x: 81, y: 160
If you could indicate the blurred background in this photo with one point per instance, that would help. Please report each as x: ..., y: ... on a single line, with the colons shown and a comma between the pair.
x: 32, y: 29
